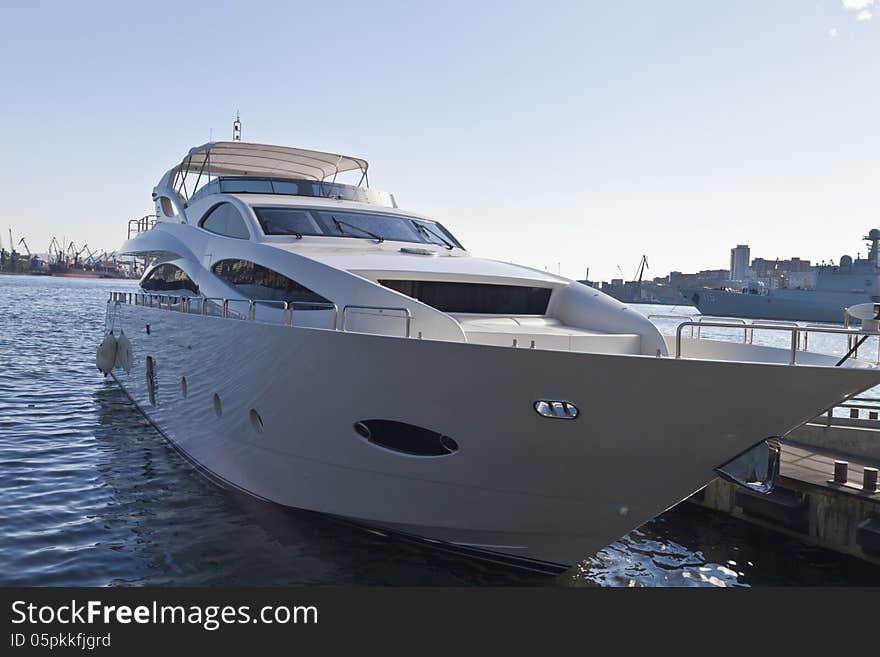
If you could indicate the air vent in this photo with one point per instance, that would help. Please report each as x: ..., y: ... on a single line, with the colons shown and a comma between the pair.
x: 417, y: 251
x: 405, y: 438
x: 561, y: 410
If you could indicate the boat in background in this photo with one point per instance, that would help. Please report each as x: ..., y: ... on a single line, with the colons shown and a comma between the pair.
x: 823, y: 297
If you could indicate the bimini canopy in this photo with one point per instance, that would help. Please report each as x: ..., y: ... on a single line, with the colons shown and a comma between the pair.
x: 235, y: 158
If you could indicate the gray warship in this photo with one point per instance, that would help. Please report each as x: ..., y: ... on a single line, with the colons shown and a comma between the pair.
x: 823, y: 299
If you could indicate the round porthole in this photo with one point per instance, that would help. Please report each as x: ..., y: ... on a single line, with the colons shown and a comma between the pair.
x: 362, y: 430
x: 218, y: 407
x: 183, y: 386
x: 256, y: 421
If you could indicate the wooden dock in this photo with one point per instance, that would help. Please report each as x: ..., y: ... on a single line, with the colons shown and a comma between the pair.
x: 840, y: 513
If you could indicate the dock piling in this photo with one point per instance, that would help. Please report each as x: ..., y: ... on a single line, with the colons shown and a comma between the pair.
x: 869, y: 481
x: 840, y: 472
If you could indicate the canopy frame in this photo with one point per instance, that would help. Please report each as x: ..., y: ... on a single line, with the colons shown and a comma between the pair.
x: 248, y: 159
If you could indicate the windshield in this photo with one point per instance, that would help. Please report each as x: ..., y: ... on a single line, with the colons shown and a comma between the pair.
x: 365, y: 225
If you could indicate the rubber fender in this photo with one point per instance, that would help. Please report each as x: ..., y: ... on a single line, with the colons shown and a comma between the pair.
x: 123, y: 353
x: 106, y: 355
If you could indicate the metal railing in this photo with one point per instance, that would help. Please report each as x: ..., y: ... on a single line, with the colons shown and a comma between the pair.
x: 407, y: 316
x: 690, y: 318
x: 203, y: 305
x: 796, y: 331
x: 855, y: 405
x: 142, y: 225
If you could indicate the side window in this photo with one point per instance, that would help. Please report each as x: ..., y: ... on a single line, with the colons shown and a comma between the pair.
x: 257, y: 282
x: 225, y: 220
x: 168, y: 277
x: 287, y: 221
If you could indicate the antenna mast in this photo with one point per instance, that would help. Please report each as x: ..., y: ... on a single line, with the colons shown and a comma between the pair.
x: 236, y: 128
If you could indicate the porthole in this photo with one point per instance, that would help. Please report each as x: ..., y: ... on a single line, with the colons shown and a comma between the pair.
x: 151, y: 380
x: 405, y: 438
x: 218, y: 406
x: 256, y: 421
x: 183, y: 386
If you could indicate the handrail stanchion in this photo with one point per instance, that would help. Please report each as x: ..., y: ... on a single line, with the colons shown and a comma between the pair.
x: 405, y: 311
x: 794, y: 331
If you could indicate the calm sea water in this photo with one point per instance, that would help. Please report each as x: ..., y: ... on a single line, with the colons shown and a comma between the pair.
x: 91, y: 495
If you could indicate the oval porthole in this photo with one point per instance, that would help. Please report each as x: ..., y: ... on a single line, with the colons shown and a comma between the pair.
x: 561, y: 410
x: 183, y: 386
x: 218, y: 406
x: 405, y: 438
x: 256, y: 421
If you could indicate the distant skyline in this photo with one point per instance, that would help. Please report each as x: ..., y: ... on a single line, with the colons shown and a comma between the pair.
x: 579, y: 133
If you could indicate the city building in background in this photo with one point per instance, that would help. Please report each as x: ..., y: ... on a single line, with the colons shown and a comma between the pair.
x: 739, y: 262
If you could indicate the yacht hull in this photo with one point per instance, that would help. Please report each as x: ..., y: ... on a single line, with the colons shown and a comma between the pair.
x: 272, y: 409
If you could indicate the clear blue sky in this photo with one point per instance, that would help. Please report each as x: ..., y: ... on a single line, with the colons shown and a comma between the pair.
x: 581, y: 133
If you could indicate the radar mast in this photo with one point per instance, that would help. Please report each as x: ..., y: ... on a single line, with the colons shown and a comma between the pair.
x: 236, y: 128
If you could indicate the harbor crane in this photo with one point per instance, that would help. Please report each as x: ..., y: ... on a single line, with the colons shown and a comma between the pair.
x: 21, y: 242
x: 90, y: 258
x: 55, y: 248
x: 643, y: 265
x: 84, y: 248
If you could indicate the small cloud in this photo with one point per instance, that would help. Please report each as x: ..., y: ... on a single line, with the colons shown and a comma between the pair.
x: 857, y: 5
x: 864, y: 15
x: 832, y: 33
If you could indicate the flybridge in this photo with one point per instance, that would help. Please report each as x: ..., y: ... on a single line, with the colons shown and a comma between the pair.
x: 238, y: 167
x: 294, y: 187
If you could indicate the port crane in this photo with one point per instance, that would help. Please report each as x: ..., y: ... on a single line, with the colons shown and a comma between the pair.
x: 55, y: 249
x: 90, y: 258
x: 640, y: 271
x: 21, y: 242
x: 84, y: 248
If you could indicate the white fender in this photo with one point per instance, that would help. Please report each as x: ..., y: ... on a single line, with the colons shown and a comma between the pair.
x: 123, y: 352
x: 106, y: 355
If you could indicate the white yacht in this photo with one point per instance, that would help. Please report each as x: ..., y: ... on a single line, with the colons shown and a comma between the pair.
x: 314, y: 345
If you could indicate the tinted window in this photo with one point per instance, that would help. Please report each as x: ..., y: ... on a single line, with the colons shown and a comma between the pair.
x: 169, y: 277
x: 225, y: 220
x: 289, y: 221
x: 476, y: 297
x: 257, y: 282
x: 245, y: 186
x: 252, y: 185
